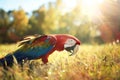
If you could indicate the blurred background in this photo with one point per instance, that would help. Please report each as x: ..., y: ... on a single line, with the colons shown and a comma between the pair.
x: 92, y: 21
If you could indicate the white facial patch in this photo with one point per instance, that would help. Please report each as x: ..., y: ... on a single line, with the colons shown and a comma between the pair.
x: 69, y: 43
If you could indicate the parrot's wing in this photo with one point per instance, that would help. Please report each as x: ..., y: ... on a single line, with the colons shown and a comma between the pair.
x: 28, y: 39
x: 35, y: 47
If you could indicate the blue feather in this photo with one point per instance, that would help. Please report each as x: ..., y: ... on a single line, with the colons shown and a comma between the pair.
x: 34, y: 53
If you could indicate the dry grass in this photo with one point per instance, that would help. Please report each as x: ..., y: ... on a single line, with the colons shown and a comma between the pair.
x: 98, y: 62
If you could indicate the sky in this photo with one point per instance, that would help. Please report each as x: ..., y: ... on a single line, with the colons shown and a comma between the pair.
x: 27, y: 5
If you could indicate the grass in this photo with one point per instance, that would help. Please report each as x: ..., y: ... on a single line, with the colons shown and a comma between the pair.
x: 92, y: 62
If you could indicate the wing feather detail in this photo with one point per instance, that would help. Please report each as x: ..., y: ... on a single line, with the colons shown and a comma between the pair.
x: 35, y: 47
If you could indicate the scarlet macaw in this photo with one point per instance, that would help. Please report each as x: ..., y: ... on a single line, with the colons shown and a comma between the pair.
x: 41, y: 46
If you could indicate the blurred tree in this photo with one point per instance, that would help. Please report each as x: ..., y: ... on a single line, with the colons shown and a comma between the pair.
x: 19, y: 25
x: 50, y: 23
x: 66, y: 19
x: 4, y: 25
x: 111, y: 20
x: 20, y: 21
x: 83, y: 31
x: 4, y: 19
x: 36, y: 21
x: 45, y: 20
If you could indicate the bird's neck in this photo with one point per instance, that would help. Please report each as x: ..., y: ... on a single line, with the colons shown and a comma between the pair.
x: 59, y: 44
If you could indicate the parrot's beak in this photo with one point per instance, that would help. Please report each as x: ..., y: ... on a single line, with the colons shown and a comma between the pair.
x: 73, y: 50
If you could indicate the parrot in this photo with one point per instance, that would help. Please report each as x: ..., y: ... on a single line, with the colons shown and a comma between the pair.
x: 40, y: 47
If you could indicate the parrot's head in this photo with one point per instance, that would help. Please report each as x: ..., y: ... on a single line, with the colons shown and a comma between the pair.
x: 68, y: 43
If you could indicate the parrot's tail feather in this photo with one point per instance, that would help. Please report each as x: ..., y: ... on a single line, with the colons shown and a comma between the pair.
x: 8, y: 60
x: 2, y: 62
x: 11, y: 59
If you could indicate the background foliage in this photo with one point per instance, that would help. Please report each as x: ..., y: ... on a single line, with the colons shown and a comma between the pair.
x: 52, y: 20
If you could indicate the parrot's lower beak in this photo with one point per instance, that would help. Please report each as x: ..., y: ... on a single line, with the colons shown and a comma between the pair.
x: 73, y: 50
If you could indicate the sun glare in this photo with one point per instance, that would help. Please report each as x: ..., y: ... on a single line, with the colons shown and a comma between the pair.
x: 91, y: 7
x: 68, y: 5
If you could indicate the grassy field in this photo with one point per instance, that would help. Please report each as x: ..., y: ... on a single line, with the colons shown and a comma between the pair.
x: 92, y: 62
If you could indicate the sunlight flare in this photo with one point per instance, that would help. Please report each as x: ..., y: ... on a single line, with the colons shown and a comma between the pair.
x: 91, y: 7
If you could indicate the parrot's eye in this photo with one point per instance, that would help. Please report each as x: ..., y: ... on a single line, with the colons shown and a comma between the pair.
x: 71, y: 46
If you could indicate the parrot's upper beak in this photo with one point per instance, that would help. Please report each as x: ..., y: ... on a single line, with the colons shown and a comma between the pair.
x: 73, y: 50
